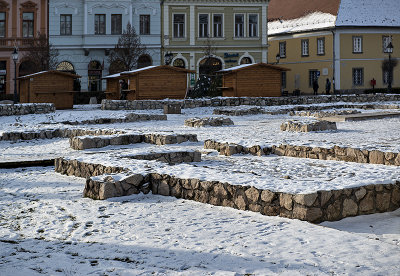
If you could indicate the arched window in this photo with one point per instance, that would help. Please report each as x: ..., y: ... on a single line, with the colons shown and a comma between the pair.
x: 116, y: 66
x: 179, y: 63
x: 208, y: 66
x: 246, y: 60
x: 144, y: 61
x: 95, y: 71
x: 65, y: 66
x: 27, y: 67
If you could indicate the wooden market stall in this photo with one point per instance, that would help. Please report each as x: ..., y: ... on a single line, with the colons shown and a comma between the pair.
x: 113, y: 91
x: 48, y: 87
x: 156, y: 83
x: 252, y: 80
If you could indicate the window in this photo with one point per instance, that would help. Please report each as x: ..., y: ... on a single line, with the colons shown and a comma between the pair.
x: 358, y: 76
x: 283, y: 80
x: 99, y: 24
x: 253, y: 25
x: 179, y: 63
x: 282, y: 49
x: 312, y: 75
x: 217, y: 19
x: 27, y: 24
x: 304, y: 47
x: 385, y: 76
x: 116, y: 24
x: 386, y: 40
x: 179, y: 25
x: 239, y: 25
x: 321, y: 46
x: 246, y: 60
x: 2, y: 24
x: 203, y: 25
x: 65, y: 24
x: 145, y: 24
x: 357, y: 44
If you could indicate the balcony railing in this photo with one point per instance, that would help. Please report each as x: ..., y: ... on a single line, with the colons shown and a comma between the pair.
x: 11, y: 42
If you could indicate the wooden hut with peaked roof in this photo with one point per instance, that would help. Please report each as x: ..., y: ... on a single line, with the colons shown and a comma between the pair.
x: 113, y: 91
x: 48, y: 87
x: 252, y: 80
x: 156, y: 83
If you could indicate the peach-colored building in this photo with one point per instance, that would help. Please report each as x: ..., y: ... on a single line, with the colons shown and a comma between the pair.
x: 20, y: 22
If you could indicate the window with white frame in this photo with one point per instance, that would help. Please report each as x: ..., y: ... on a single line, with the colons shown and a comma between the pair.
x: 312, y: 76
x: 282, y: 49
x: 358, y: 76
x: 239, y: 25
x: 203, y: 25
x: 385, y: 41
x: 116, y: 24
x: 304, y: 47
x: 253, y: 25
x: 99, y: 24
x: 218, y: 25
x: 385, y: 76
x: 65, y: 24
x: 145, y: 24
x: 357, y: 44
x: 321, y: 46
x: 179, y: 25
x: 27, y: 24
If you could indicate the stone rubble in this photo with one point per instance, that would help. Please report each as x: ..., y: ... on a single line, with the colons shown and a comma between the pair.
x: 208, y: 121
x: 307, y: 126
x: 322, y: 114
x: 256, y: 101
x: 171, y: 158
x: 89, y: 142
x: 23, y: 109
x: 335, y: 153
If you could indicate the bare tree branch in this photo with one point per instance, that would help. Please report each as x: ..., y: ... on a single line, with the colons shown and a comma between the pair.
x: 43, y: 55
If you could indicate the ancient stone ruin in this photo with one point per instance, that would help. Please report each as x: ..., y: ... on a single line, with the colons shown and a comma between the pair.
x: 208, y: 121
x: 307, y: 126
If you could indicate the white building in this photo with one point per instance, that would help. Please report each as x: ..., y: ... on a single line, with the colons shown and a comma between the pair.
x: 84, y: 32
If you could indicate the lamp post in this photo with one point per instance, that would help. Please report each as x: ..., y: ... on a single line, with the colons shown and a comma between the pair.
x: 15, y: 59
x: 168, y: 58
x: 390, y: 50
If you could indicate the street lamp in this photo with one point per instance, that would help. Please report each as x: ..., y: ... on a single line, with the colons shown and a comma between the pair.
x: 15, y: 59
x: 168, y: 58
x: 390, y: 50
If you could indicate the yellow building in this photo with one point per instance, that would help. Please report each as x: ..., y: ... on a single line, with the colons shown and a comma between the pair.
x: 341, y: 40
x: 210, y: 35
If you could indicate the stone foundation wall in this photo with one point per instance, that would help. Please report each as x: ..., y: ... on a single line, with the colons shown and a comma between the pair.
x: 336, y: 153
x: 170, y: 157
x: 201, y: 122
x: 82, y: 142
x: 82, y: 169
x: 303, y: 100
x: 239, y: 112
x: 55, y: 133
x: 308, y: 126
x: 316, y: 207
x: 131, y: 117
x: 23, y: 109
x: 322, y: 114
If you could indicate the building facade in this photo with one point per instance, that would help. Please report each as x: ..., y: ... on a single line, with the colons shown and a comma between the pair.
x: 343, y: 41
x: 213, y: 35
x: 85, y: 31
x: 20, y: 22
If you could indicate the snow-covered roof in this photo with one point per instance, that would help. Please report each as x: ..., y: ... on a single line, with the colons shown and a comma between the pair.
x: 371, y: 13
x: 312, y: 21
x: 236, y: 67
x: 115, y: 75
x: 46, y: 72
x: 239, y: 67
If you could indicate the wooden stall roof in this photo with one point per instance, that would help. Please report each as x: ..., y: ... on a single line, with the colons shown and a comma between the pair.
x: 138, y: 71
x: 116, y: 76
x: 50, y: 72
x: 247, y: 66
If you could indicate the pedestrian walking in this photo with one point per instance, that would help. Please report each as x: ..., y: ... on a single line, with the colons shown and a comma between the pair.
x: 328, y: 86
x: 315, y: 86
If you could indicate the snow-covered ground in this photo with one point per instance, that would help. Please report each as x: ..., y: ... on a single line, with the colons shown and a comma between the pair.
x: 46, y: 227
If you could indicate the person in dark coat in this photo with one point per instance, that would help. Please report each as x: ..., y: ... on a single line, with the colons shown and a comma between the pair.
x: 315, y: 86
x: 124, y: 87
x: 328, y: 86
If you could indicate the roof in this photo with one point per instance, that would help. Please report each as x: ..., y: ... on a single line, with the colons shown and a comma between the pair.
x: 134, y: 72
x: 292, y: 16
x: 50, y: 72
x: 370, y: 13
x: 291, y: 9
x: 115, y: 75
x: 246, y: 66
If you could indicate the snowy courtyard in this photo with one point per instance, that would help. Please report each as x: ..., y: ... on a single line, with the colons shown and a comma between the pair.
x: 47, y: 227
